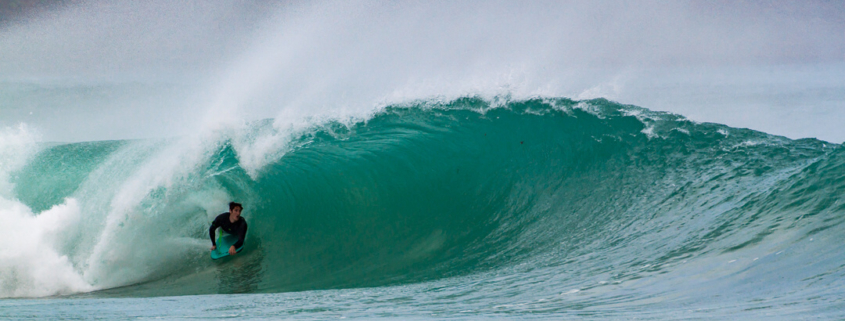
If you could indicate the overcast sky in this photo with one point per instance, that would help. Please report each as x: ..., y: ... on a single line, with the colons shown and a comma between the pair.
x: 120, y: 69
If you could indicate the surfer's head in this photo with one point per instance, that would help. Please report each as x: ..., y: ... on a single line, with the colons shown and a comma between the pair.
x: 235, y: 208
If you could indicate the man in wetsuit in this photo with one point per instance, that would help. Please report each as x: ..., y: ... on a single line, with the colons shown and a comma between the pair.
x: 231, y: 223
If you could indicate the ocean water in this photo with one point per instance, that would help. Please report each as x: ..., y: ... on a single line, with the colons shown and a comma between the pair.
x: 467, y: 208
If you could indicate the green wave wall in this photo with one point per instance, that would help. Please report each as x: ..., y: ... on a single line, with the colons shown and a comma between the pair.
x: 430, y: 190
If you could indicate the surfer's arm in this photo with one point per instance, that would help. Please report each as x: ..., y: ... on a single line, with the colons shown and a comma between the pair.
x: 241, y: 237
x: 211, y: 229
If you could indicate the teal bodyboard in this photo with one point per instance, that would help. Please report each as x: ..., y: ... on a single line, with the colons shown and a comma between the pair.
x: 224, y: 242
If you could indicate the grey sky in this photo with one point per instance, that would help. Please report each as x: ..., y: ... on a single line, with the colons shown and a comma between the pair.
x: 771, y: 66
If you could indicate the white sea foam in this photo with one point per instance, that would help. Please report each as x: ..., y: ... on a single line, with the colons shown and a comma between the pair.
x: 682, y: 130
x: 30, y: 264
x: 649, y: 132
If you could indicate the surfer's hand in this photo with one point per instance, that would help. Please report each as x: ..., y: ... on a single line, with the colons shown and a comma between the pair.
x: 232, y: 250
x: 213, y: 247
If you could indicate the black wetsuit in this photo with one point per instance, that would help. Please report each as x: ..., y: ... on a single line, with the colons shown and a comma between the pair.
x: 238, y: 228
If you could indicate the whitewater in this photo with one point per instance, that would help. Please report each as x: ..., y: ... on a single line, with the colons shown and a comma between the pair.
x: 394, y: 178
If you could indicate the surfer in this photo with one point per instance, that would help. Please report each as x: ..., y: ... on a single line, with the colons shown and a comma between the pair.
x: 231, y: 223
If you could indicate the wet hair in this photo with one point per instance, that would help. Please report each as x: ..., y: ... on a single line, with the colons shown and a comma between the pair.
x: 232, y: 206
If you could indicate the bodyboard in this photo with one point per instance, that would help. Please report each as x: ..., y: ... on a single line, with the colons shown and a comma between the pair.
x: 224, y: 242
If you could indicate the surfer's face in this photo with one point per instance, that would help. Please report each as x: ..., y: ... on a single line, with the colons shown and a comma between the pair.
x: 236, y: 211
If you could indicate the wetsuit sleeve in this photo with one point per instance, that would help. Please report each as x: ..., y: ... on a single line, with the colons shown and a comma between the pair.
x: 241, y: 236
x: 211, y: 229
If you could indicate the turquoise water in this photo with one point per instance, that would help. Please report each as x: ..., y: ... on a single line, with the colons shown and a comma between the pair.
x: 543, y: 208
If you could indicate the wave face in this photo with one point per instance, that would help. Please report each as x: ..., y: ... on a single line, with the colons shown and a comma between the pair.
x: 588, y: 200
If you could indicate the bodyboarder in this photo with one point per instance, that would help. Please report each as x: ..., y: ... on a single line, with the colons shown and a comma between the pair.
x: 232, y: 223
